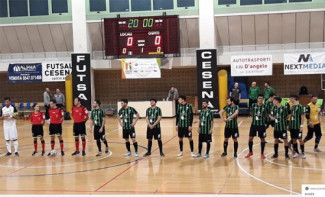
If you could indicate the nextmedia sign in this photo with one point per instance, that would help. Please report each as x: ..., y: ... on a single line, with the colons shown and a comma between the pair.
x: 304, y: 63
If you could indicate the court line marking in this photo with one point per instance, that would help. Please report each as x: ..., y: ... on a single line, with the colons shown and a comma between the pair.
x: 258, y: 179
x: 240, y: 123
x: 115, y: 177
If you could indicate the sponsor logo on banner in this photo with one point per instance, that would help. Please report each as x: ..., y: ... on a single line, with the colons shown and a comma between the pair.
x: 304, y: 63
x: 251, y: 65
x: 207, y: 78
x: 140, y: 68
x: 81, y: 78
x: 56, y: 71
x: 22, y: 73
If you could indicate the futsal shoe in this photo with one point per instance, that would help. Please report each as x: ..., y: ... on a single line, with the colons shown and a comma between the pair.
x: 62, y: 153
x: 249, y: 155
x: 206, y: 156
x: 136, y: 154
x: 263, y: 156
x: 317, y: 150
x: 223, y: 154
x: 127, y: 154
x: 303, y: 155
x: 274, y: 156
x: 147, y: 154
x: 193, y: 154
x: 34, y: 153
x: 83, y: 153
x: 197, y: 155
x: 106, y: 150
x: 99, y: 154
x: 16, y: 154
x: 180, y: 154
x: 287, y: 156
x: 75, y: 153
x: 43, y: 152
x: 8, y: 154
x: 235, y: 155
x: 162, y: 154
x: 295, y: 155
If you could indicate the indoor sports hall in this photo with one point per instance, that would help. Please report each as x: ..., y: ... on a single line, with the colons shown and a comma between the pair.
x: 116, y: 64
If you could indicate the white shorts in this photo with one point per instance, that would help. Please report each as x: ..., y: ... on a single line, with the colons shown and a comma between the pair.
x: 10, y: 133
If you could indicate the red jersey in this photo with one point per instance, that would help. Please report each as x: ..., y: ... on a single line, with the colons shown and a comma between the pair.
x: 79, y: 114
x: 56, y: 115
x: 37, y: 118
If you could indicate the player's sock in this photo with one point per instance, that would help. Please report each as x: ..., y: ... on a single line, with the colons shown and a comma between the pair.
x: 181, y: 146
x: 77, y: 144
x: 61, y: 145
x: 149, y: 146
x: 276, y: 147
x: 200, y: 147
x: 160, y: 145
x: 128, y: 146
x: 250, y: 145
x: 105, y: 142
x: 83, y: 144
x: 135, y: 146
x: 16, y: 146
x: 43, y: 145
x: 99, y: 145
x: 262, y: 147
x: 52, y: 144
x: 192, y: 145
x: 35, y: 145
x: 286, y: 148
x: 208, y: 147
x: 295, y: 147
x: 235, y: 147
x: 225, y: 146
x: 8, y: 144
x: 317, y: 140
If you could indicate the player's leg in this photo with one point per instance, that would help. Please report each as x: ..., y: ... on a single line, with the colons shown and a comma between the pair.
x: 61, y: 143
x: 83, y: 141
x: 286, y: 145
x: 52, y: 143
x: 262, y: 147
x: 225, y: 147
x: 198, y: 154
x: 318, y: 136
x: 157, y: 136
x: 135, y: 143
x: 35, y: 145
x: 276, y: 145
x: 76, y: 140
x: 43, y: 144
x: 190, y: 139
x: 149, y: 138
x: 180, y: 141
x: 127, y: 142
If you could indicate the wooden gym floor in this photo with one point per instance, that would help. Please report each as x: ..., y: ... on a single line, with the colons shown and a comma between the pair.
x: 116, y: 174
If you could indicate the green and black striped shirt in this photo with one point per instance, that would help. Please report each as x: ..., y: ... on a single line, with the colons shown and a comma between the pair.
x: 206, y: 117
x: 127, y: 116
x: 258, y: 114
x: 231, y: 124
x: 153, y: 114
x: 296, y: 112
x: 184, y: 115
x: 97, y: 115
x: 280, y: 114
x: 268, y: 106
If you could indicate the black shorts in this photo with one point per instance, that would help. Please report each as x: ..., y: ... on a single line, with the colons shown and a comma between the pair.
x: 205, y: 138
x: 295, y: 134
x: 234, y: 133
x: 155, y: 132
x: 268, y: 123
x: 129, y: 133
x: 97, y: 134
x: 79, y: 129
x: 316, y: 129
x: 55, y: 129
x: 280, y: 134
x: 184, y: 132
x: 37, y: 130
x: 260, y: 130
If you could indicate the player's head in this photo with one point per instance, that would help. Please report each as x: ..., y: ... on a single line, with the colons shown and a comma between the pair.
x: 96, y: 103
x: 236, y: 85
x: 205, y: 104
x: 260, y: 98
x: 230, y: 101
x: 271, y: 96
x: 47, y: 89
x: 7, y: 101
x: 277, y: 100
x: 153, y: 102
x: 57, y: 90
x: 253, y: 84
x: 53, y: 103
x: 124, y: 102
x: 267, y: 84
x: 314, y: 99
x: 36, y: 107
x: 77, y: 101
x: 294, y: 98
x: 182, y: 99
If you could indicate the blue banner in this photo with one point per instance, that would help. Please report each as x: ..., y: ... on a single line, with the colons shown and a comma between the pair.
x: 25, y: 73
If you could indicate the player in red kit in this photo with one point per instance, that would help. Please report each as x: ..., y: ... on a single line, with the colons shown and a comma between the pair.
x: 56, y: 119
x: 80, y: 116
x: 37, y: 119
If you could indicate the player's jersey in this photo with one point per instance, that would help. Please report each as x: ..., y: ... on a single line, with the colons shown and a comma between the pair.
x: 127, y: 116
x: 280, y: 114
x: 206, y: 117
x: 79, y: 114
x: 258, y: 114
x: 37, y: 118
x: 295, y: 116
x: 56, y: 115
x: 184, y: 115
x: 231, y: 124
x: 312, y: 113
x: 97, y: 115
x: 268, y: 106
x: 153, y: 114
x: 11, y: 111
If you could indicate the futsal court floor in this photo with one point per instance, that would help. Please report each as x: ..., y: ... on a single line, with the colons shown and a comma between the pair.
x: 116, y: 174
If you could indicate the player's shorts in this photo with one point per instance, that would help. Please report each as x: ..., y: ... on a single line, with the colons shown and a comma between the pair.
x: 155, y: 132
x: 97, y: 134
x: 79, y: 129
x: 316, y: 129
x: 295, y: 134
x: 10, y: 133
x: 205, y: 138
x: 268, y: 123
x: 184, y: 132
x: 37, y: 130
x: 259, y: 130
x: 280, y: 134
x: 234, y: 133
x: 55, y: 129
x: 129, y: 133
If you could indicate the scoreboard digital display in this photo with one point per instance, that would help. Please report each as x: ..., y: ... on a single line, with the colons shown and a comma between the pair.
x: 153, y: 36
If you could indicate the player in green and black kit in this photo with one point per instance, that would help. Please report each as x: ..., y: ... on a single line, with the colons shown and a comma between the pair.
x: 184, y: 121
x: 231, y: 129
x: 153, y: 118
x: 205, y: 128
x: 296, y: 123
x: 258, y: 113
x: 126, y: 116
x: 279, y: 114
x: 268, y: 105
x: 97, y: 123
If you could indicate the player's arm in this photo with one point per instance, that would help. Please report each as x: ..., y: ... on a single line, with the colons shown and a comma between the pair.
x: 62, y: 116
x: 239, y: 94
x: 86, y: 114
x: 72, y: 114
x: 159, y: 117
x: 120, y: 118
x: 221, y: 113
x: 137, y: 116
x: 104, y: 121
x: 211, y: 130
x: 234, y: 114
x: 43, y: 119
x: 190, y: 115
x: 15, y: 116
x: 302, y: 119
x: 91, y: 122
x: 307, y: 114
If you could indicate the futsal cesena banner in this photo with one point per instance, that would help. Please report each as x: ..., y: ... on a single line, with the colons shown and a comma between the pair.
x: 140, y: 68
x: 251, y: 65
x: 304, y: 63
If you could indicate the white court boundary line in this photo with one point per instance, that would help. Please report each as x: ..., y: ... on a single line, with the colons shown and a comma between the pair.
x: 258, y: 179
